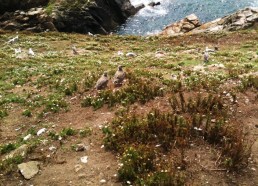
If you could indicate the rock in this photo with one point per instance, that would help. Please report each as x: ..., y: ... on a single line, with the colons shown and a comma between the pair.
x: 11, y: 26
x: 21, y: 151
x: 241, y: 19
x: 33, y: 20
x: 103, y: 181
x: 78, y: 167
x: 154, y: 4
x: 9, y: 6
x: 29, y: 169
x: 29, y: 135
x: 41, y: 131
x: 82, y: 176
x: 84, y: 159
x: 80, y: 147
x: 130, y: 54
x: 100, y: 17
x: 185, y: 25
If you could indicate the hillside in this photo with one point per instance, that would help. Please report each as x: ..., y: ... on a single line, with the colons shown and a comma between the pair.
x: 175, y: 120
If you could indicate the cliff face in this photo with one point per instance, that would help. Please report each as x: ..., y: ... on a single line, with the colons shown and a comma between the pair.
x: 12, y: 5
x: 97, y: 17
x: 100, y: 17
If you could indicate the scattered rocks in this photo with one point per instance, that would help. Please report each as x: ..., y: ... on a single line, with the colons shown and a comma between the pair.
x: 29, y: 169
x: 35, y: 20
x: 239, y: 20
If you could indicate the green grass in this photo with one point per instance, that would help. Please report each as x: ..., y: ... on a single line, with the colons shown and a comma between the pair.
x: 55, y: 79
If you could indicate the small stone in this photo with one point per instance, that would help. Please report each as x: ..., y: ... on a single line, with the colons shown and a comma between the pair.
x: 80, y: 147
x: 52, y: 148
x: 29, y: 169
x: 130, y: 54
x: 78, y: 167
x: 253, y: 169
x: 103, y: 181
x: 82, y: 176
x: 84, y: 159
x: 27, y: 137
x: 41, y: 131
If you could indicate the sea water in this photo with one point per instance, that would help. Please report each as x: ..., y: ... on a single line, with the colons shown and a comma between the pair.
x: 151, y: 20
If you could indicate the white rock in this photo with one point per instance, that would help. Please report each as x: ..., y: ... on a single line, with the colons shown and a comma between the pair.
x: 41, y: 131
x: 27, y: 137
x: 103, y: 181
x: 84, y: 159
x: 130, y: 54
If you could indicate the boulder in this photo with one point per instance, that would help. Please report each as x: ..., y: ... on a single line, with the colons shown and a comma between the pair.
x: 21, y: 151
x: 29, y: 169
x: 97, y: 17
x: 100, y: 17
x: 34, y: 20
x: 185, y: 25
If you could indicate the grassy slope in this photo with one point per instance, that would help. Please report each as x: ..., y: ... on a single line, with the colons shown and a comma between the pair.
x: 35, y: 89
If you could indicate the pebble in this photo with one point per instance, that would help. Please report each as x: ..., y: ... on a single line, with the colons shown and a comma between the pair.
x: 103, y: 181
x: 27, y: 137
x: 41, y: 131
x: 84, y: 159
x: 80, y: 147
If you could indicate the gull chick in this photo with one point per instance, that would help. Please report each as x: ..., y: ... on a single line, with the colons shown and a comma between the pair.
x: 13, y: 40
x: 17, y: 50
x: 206, y: 57
x: 30, y: 52
x: 119, y: 76
x: 75, y: 52
x: 102, y: 82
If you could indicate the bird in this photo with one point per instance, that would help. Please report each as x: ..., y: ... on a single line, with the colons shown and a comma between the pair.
x: 13, y: 40
x: 206, y: 57
x: 90, y: 34
x: 30, y: 52
x: 119, y: 76
x: 75, y: 52
x: 207, y: 49
x: 17, y: 50
x: 102, y: 82
x: 120, y: 53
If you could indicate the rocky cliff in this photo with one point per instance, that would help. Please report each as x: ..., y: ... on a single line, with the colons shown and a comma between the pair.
x: 13, y: 5
x: 241, y: 19
x: 97, y: 17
